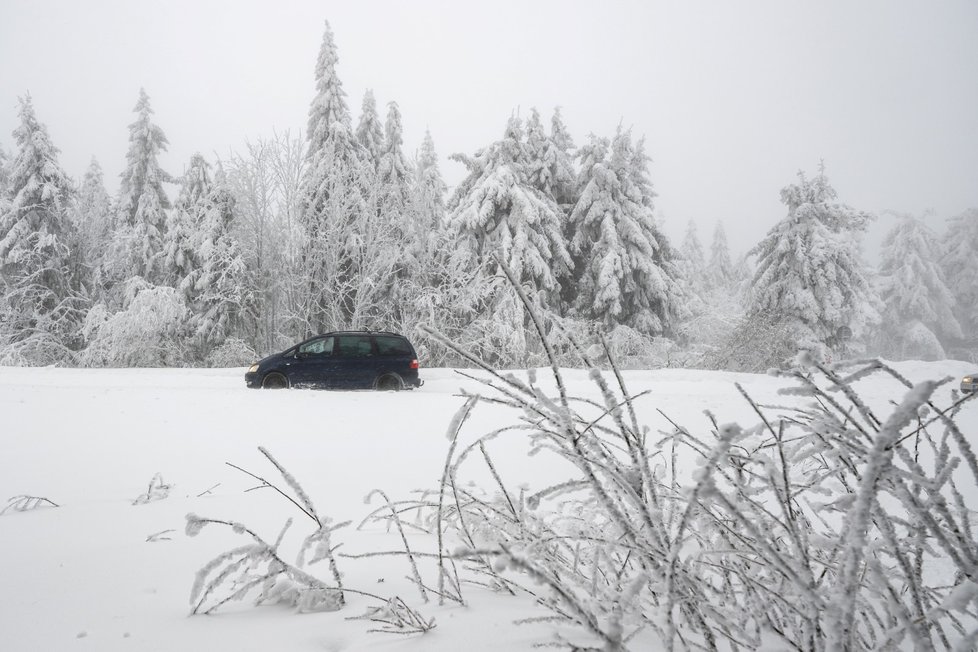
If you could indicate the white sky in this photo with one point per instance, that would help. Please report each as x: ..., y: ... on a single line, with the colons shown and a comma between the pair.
x: 733, y: 97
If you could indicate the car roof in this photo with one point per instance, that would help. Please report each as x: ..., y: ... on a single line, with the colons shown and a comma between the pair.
x: 353, y: 332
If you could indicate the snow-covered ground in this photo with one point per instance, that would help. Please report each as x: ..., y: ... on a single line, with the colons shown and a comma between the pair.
x: 89, y: 575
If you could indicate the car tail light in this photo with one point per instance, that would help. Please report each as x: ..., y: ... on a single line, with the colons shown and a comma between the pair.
x: 414, y: 364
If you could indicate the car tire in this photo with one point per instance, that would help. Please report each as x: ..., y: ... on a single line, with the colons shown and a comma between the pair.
x: 275, y: 380
x: 389, y: 383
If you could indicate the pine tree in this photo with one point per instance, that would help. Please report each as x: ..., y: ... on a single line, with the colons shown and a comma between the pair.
x: 565, y: 189
x: 917, y: 303
x: 429, y: 187
x: 94, y: 220
x: 336, y: 193
x: 328, y: 110
x: 40, y: 310
x: 217, y: 290
x: 181, y: 246
x: 629, y: 274
x: 809, y: 272
x: 721, y: 268
x: 540, y: 156
x: 370, y: 133
x: 4, y: 172
x: 695, y: 260
x: 960, y: 264
x: 394, y: 171
x: 496, y: 210
x: 143, y: 203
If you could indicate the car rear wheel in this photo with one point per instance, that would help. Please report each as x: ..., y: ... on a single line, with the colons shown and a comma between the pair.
x: 274, y: 381
x: 389, y: 383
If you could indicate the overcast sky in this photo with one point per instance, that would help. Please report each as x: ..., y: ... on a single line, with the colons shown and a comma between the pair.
x: 733, y: 97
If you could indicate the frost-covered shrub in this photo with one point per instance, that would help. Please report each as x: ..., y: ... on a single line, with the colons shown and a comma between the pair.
x: 156, y: 490
x: 259, y: 569
x: 148, y: 332
x: 756, y: 343
x: 25, y: 503
x: 234, y: 352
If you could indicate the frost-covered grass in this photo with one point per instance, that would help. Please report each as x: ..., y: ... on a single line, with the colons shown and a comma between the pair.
x: 101, y: 573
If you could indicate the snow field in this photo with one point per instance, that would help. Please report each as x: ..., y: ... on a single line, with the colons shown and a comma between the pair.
x: 84, y: 576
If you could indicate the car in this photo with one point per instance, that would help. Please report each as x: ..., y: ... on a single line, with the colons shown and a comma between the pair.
x: 341, y: 360
x: 970, y: 383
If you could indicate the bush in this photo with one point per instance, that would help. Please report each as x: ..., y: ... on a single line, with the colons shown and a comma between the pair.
x: 826, y: 527
x: 234, y: 352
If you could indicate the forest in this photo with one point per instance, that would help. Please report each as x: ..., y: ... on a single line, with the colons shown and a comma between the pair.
x: 342, y: 229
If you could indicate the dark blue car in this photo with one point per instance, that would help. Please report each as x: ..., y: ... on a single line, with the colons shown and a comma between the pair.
x: 341, y: 360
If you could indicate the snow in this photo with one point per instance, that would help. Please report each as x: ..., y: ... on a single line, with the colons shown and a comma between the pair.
x: 100, y: 573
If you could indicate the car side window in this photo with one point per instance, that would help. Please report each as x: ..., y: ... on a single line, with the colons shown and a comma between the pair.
x: 387, y: 345
x: 320, y: 346
x: 355, y: 346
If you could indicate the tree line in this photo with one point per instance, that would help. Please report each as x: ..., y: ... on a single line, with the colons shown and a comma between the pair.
x: 294, y: 236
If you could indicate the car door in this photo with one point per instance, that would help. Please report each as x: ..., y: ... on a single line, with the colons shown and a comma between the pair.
x: 355, y: 362
x: 313, y: 365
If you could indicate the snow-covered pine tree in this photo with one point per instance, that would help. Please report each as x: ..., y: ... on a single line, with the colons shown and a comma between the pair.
x: 4, y: 171
x: 40, y: 308
x: 565, y: 189
x: 370, y: 132
x: 142, y: 201
x: 541, y: 157
x: 960, y: 264
x: 429, y: 188
x: 693, y: 258
x: 423, y: 223
x: 628, y: 273
x: 720, y: 270
x: 809, y: 271
x: 394, y: 180
x: 181, y: 243
x: 394, y: 171
x: 335, y: 194
x: 218, y: 290
x: 94, y: 219
x: 496, y: 210
x: 918, y: 306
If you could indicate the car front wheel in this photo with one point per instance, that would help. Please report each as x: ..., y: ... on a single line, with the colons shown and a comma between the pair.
x: 275, y: 381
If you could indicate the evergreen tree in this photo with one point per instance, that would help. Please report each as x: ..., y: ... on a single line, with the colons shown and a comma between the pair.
x: 496, y: 210
x: 40, y: 309
x: 218, y: 287
x: 4, y: 172
x: 429, y: 187
x: 424, y: 223
x: 328, y: 109
x: 960, y: 264
x: 629, y: 274
x: 370, y: 133
x: 93, y: 215
x: 336, y: 193
x: 142, y: 200
x: 809, y: 273
x: 394, y: 171
x: 917, y: 303
x: 564, y: 178
x: 694, y: 258
x: 540, y: 156
x: 721, y: 268
x: 181, y: 247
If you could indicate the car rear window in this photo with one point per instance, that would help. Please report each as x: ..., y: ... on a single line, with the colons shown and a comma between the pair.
x: 387, y: 345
